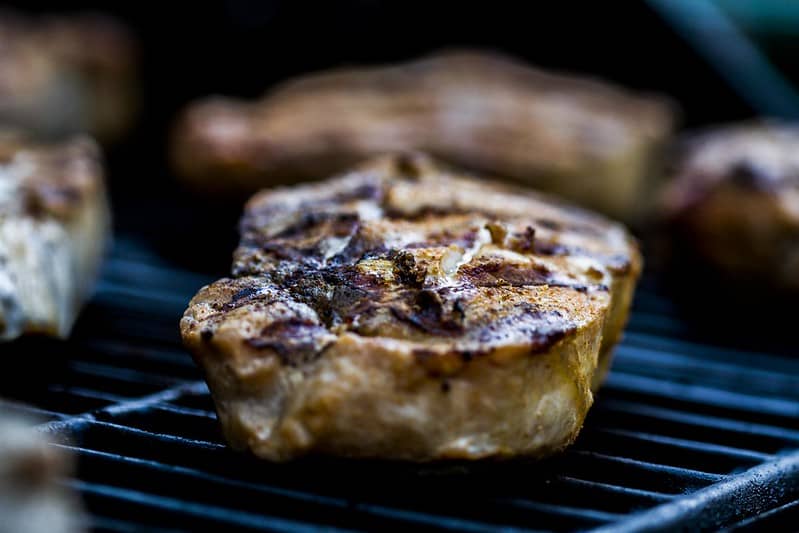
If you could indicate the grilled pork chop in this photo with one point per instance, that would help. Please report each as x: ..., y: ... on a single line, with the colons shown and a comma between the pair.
x: 54, y: 224
x: 66, y: 75
x: 585, y: 140
x: 735, y: 201
x: 405, y: 311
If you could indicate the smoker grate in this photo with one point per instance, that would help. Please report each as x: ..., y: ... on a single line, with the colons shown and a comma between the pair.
x: 682, y: 434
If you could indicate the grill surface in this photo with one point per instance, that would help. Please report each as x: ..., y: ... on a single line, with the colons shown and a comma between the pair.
x: 684, y: 433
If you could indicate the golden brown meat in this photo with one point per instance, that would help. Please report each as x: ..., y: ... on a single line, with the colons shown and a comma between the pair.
x: 735, y: 200
x: 583, y: 139
x: 54, y: 224
x: 405, y: 311
x: 66, y: 75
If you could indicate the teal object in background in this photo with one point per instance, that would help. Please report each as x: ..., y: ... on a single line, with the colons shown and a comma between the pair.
x: 768, y: 18
x: 711, y: 28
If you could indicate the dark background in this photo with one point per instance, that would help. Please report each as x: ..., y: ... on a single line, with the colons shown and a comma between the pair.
x: 242, y: 47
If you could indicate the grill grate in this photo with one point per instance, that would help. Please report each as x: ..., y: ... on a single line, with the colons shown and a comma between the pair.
x: 683, y: 433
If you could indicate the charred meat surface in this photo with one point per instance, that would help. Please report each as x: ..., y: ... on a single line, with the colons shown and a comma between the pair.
x: 586, y: 140
x: 734, y: 200
x: 405, y: 311
x: 54, y: 225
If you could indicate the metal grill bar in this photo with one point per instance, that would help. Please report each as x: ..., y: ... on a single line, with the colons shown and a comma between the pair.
x: 776, y: 483
x: 680, y: 432
x: 204, y: 512
x: 759, y: 436
x: 702, y: 395
x: 770, y: 520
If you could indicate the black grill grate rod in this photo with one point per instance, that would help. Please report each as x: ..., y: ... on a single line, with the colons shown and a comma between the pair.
x: 755, y: 491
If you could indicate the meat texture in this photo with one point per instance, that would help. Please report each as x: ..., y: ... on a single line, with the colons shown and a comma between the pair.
x: 54, y: 224
x: 583, y: 139
x: 405, y: 311
x: 734, y: 200
x: 66, y: 75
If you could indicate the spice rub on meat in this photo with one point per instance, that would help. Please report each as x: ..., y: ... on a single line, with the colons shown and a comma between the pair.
x: 405, y: 311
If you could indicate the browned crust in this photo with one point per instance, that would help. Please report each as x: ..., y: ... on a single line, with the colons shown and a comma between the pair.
x: 564, y: 263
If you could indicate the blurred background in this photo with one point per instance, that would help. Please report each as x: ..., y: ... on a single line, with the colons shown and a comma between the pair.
x: 719, y: 60
x: 242, y: 47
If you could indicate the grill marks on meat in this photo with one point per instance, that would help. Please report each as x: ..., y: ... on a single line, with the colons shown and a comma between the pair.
x: 541, y: 328
x: 293, y: 340
x: 418, y: 272
x: 495, y: 272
